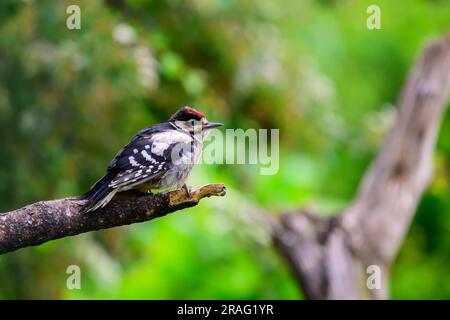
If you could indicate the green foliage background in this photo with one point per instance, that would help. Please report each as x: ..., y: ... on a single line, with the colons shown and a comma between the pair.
x: 69, y: 99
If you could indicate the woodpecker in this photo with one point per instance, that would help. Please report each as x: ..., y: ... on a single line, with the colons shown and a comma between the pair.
x: 157, y: 158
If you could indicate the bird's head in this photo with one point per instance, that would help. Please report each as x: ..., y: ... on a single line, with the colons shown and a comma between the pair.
x: 192, y: 121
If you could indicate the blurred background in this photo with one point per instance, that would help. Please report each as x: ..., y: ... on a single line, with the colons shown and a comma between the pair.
x: 69, y: 99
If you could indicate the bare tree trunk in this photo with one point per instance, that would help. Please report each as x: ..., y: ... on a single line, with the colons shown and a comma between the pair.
x: 330, y: 257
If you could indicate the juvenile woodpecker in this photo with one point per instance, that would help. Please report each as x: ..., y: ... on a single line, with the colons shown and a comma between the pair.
x: 159, y: 157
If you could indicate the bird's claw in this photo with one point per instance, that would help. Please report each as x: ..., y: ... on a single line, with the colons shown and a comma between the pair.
x: 186, y: 189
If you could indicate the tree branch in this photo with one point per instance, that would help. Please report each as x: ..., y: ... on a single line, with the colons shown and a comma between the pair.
x: 330, y: 256
x: 381, y: 213
x: 48, y: 220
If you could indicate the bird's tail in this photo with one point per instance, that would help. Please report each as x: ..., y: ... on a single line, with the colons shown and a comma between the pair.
x: 99, y: 194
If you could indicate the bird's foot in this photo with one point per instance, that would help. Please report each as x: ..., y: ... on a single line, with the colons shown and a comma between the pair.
x: 186, y: 189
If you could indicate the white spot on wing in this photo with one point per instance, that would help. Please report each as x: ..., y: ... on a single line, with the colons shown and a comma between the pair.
x: 147, y: 156
x: 133, y: 162
x: 159, y: 147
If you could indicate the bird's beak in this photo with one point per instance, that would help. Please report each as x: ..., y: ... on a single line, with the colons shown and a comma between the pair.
x: 211, y: 125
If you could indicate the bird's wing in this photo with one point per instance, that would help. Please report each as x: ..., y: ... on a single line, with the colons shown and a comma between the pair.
x: 131, y: 178
x: 140, y: 139
x: 146, y: 157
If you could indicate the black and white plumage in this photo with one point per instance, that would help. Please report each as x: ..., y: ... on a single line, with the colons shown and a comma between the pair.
x: 159, y: 157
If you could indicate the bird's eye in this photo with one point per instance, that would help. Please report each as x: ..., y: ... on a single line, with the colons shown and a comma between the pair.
x: 193, y: 122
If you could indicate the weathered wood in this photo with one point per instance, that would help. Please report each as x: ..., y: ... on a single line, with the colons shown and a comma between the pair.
x: 47, y: 220
x: 330, y: 256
